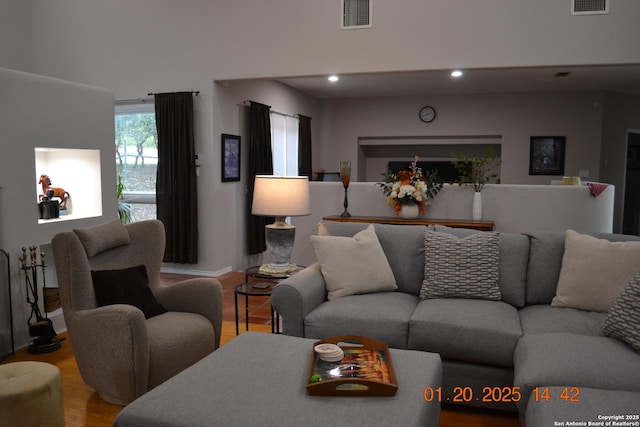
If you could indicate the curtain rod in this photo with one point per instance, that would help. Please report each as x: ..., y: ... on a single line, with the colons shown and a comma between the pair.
x: 193, y: 92
x: 145, y: 100
x: 247, y: 103
x: 133, y: 101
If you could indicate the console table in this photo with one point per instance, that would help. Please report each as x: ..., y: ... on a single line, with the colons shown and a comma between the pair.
x: 457, y: 223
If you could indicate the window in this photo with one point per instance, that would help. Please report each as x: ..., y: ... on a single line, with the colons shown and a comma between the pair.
x: 284, y: 144
x: 137, y: 158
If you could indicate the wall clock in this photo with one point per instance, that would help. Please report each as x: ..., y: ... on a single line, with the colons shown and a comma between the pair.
x: 427, y: 114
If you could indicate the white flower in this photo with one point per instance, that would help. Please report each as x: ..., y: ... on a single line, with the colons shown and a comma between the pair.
x: 406, y: 190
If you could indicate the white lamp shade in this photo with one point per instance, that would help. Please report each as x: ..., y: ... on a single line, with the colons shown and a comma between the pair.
x: 281, y: 196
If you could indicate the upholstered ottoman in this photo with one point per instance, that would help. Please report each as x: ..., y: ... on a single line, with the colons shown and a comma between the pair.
x: 31, y: 395
x: 259, y: 379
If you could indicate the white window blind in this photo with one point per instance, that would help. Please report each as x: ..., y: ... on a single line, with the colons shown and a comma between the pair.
x: 356, y: 13
x: 284, y: 144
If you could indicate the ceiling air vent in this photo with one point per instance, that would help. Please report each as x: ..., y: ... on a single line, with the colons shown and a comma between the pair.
x: 589, y: 7
x: 356, y: 14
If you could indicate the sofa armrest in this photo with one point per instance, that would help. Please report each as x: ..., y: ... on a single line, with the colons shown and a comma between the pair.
x: 198, y: 295
x: 122, y: 330
x: 297, y: 296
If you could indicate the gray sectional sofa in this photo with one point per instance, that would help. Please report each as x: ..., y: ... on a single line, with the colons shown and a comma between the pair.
x: 494, y: 352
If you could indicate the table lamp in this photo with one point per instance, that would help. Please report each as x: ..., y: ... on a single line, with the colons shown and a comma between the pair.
x: 280, y: 197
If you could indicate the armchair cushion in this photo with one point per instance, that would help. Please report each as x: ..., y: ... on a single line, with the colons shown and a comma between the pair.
x: 103, y: 237
x: 127, y: 286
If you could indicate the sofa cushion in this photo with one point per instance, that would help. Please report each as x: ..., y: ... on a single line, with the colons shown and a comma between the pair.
x: 404, y: 247
x: 345, y: 229
x: 542, y: 318
x: 460, y: 267
x: 546, y: 251
x: 577, y: 360
x: 383, y: 316
x: 514, y: 260
x: 594, y: 271
x: 402, y: 244
x: 466, y: 330
x: 512, y: 264
x: 545, y: 260
x: 126, y: 286
x: 103, y: 237
x: 623, y: 319
x: 353, y: 265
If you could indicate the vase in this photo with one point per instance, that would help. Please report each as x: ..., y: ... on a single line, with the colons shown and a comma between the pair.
x: 409, y: 211
x: 477, y: 206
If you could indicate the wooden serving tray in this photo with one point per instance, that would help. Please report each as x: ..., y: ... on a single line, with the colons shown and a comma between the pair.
x: 365, y: 370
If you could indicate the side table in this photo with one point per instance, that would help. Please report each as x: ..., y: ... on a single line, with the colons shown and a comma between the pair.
x: 254, y: 272
x: 262, y: 288
x: 255, y: 289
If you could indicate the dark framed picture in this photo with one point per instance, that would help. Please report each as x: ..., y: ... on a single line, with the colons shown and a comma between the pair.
x: 230, y: 158
x: 546, y: 155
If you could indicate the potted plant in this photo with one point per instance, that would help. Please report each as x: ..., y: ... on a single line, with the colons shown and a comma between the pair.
x: 476, y: 172
x: 124, y: 208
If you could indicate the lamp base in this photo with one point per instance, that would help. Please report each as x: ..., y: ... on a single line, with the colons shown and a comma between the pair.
x: 279, y: 238
x: 275, y: 269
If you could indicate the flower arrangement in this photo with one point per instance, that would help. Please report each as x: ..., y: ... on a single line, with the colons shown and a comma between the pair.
x: 410, y: 187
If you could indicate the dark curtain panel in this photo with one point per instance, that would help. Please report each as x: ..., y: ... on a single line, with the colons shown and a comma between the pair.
x: 304, y: 146
x: 176, y: 196
x: 260, y: 163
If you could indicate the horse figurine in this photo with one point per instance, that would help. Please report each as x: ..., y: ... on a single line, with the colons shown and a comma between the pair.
x: 57, y: 192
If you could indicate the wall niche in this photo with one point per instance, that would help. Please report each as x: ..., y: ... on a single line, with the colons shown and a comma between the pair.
x: 375, y: 153
x: 78, y: 172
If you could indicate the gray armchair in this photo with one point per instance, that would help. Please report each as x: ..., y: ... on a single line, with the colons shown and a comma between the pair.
x: 119, y: 352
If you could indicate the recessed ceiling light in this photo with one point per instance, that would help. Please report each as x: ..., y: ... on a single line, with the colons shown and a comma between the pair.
x: 456, y: 73
x: 562, y: 74
x: 333, y: 78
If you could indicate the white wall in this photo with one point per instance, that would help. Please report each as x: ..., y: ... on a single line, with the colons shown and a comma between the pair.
x: 232, y: 118
x: 513, y: 118
x: 513, y: 208
x: 133, y: 47
x: 15, y: 34
x: 37, y: 111
x: 120, y: 42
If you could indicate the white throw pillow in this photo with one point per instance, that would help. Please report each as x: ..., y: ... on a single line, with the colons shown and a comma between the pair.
x: 353, y: 265
x: 594, y: 271
x: 322, y: 230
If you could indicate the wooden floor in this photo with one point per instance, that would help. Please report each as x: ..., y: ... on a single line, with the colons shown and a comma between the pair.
x: 83, y: 406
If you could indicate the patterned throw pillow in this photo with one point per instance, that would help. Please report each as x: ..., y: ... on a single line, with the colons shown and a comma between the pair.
x: 461, y: 267
x: 623, y: 319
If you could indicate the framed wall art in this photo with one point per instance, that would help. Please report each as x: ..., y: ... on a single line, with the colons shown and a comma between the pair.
x: 546, y: 155
x: 230, y: 158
